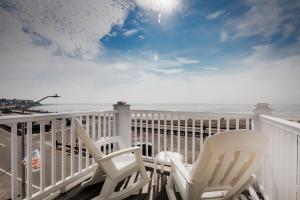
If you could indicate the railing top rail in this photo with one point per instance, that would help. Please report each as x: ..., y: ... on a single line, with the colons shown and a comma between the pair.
x: 49, y: 116
x: 292, y: 127
x: 193, y: 113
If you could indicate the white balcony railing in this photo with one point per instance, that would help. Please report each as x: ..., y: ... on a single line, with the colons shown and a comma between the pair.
x: 63, y: 159
x: 65, y: 162
x: 183, y: 132
x: 280, y: 171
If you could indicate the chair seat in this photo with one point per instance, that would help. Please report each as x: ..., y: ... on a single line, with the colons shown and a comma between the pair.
x: 162, y: 157
x: 123, y: 160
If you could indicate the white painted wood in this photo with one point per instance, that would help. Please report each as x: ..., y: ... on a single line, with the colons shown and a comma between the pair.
x: 43, y: 157
x: 53, y: 152
x: 237, y: 124
x: 218, y: 125
x: 209, y: 126
x: 135, y: 129
x: 193, y: 141
x: 109, y: 131
x: 185, y: 141
x: 63, y: 149
x: 201, y: 135
x: 147, y: 140
x: 141, y: 129
x: 178, y: 134
x: 158, y: 133
x: 152, y: 135
x: 80, y: 150
x: 247, y: 124
x: 29, y: 159
x: 104, y: 131
x: 227, y: 124
x: 172, y: 132
x: 72, y: 135
x: 14, y: 162
x: 165, y: 132
x: 93, y: 133
x: 87, y: 153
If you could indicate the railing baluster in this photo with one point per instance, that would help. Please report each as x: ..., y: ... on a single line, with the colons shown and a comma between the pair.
x: 141, y: 131
x: 237, y: 123
x: 114, y: 129
x: 247, y: 124
x: 158, y: 132
x: 42, y: 151
x: 178, y: 134
x: 201, y: 134
x: 99, y: 127
x: 227, y: 124
x: 209, y: 126
x: 87, y: 129
x: 104, y: 132
x: 135, y: 130
x: 165, y: 132
x: 193, y: 142
x: 152, y: 135
x: 185, y: 141
x: 63, y: 148
x: 53, y: 152
x: 109, y: 132
x: 147, y: 134
x: 93, y: 132
x: 80, y: 150
x: 29, y: 160
x: 172, y: 131
x: 14, y: 162
x: 72, y: 146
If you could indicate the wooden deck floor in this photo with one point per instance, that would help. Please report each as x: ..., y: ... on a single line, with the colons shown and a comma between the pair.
x: 149, y: 192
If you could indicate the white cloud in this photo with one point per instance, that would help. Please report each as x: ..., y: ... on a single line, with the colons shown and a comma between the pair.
x: 129, y: 33
x: 211, y: 68
x: 223, y: 36
x: 141, y: 37
x: 121, y: 66
x: 215, y: 15
x: 265, y: 18
x: 168, y: 71
x: 73, y: 27
x: 182, y: 61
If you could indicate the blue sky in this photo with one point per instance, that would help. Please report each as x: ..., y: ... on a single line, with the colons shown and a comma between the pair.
x: 197, y: 51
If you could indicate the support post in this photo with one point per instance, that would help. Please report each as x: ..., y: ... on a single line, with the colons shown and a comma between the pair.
x: 265, y: 109
x: 260, y: 108
x: 123, y: 123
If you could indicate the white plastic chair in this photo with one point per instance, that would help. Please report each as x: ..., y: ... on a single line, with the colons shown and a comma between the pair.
x: 224, y: 165
x: 115, y: 167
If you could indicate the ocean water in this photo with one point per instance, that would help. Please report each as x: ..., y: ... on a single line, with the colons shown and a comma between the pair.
x: 214, y: 108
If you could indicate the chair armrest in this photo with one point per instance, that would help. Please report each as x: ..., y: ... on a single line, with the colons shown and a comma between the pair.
x: 120, y: 152
x: 180, y: 167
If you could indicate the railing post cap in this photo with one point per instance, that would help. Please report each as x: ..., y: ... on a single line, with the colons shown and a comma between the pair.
x: 262, y: 108
x: 120, y: 104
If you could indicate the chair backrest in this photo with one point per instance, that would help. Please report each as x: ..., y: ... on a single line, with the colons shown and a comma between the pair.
x: 85, y: 138
x: 227, y: 161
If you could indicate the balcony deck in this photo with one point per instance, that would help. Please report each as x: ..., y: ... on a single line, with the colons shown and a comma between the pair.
x: 149, y: 192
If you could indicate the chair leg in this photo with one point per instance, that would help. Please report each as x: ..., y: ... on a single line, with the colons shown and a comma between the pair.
x: 107, y: 189
x: 170, y: 188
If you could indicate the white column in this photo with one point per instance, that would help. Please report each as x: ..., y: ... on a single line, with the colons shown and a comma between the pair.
x: 265, y: 109
x: 123, y: 122
x: 260, y: 108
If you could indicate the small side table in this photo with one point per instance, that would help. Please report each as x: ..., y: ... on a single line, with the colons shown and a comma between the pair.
x: 162, y: 159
